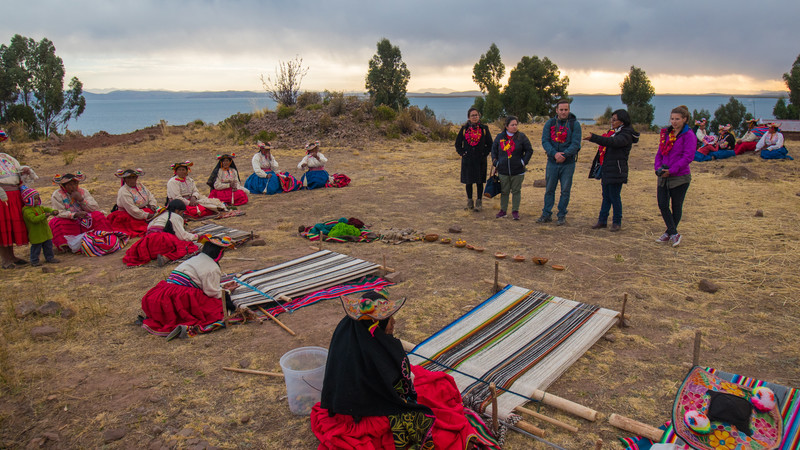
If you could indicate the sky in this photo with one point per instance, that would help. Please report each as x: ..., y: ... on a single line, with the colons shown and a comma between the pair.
x: 685, y: 47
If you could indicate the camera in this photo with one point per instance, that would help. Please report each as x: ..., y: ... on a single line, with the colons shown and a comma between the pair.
x: 661, y: 169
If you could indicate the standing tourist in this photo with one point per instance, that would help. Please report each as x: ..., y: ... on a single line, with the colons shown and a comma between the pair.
x: 561, y: 139
x: 473, y: 144
x: 511, y: 152
x: 676, y: 148
x: 610, y: 166
x: 12, y: 226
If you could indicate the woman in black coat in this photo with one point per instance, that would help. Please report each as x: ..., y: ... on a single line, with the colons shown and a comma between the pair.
x: 610, y: 166
x: 473, y: 144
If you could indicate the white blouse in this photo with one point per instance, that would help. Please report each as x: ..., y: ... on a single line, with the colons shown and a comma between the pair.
x: 261, y: 164
x: 312, y: 162
x: 226, y: 179
x: 204, y: 272
x: 133, y: 200
x: 771, y: 142
x: 160, y: 221
x: 183, y: 190
x: 67, y: 207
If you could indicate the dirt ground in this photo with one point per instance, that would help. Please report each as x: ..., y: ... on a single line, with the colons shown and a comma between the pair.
x: 102, y: 382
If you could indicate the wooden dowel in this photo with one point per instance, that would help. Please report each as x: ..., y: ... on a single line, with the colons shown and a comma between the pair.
x: 315, y: 248
x: 638, y: 428
x: 240, y: 259
x: 621, y: 322
x: 284, y: 298
x: 254, y: 372
x: 698, y: 337
x: 496, y: 274
x: 276, y: 320
x: 555, y: 422
x: 536, y: 431
x: 493, y: 390
x: 499, y: 282
x: 565, y: 405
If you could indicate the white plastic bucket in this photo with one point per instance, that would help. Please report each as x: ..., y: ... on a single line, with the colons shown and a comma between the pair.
x: 304, y: 370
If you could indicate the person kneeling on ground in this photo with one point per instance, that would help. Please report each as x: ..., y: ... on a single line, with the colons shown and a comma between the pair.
x: 166, y: 238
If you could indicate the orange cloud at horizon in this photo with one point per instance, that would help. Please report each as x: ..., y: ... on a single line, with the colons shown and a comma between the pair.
x: 599, y: 82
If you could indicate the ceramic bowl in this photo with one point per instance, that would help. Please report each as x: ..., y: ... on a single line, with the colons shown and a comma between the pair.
x: 431, y: 237
x: 539, y: 260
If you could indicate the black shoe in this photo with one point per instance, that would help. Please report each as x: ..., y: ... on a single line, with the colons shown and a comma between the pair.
x: 599, y: 225
x: 544, y: 219
x: 561, y: 221
x: 179, y: 332
x: 139, y: 320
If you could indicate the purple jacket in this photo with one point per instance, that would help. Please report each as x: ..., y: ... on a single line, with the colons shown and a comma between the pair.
x: 682, y: 153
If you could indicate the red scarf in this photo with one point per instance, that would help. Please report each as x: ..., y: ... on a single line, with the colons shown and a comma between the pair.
x: 559, y: 135
x: 473, y: 135
x: 666, y: 141
x: 508, y: 145
x: 602, y: 149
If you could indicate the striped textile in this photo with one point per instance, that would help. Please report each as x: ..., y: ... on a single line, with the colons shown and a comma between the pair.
x: 760, y: 131
x: 521, y: 340
x: 300, y: 276
x: 100, y: 243
x: 788, y: 399
x: 181, y: 279
x: 363, y: 285
x: 238, y: 237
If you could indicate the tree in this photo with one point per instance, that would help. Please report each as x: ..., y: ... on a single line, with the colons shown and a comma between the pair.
x: 387, y: 77
x: 734, y: 113
x: 700, y: 115
x: 487, y: 73
x: 534, y: 87
x: 636, y: 95
x: 284, y: 87
x: 792, y: 80
x: 53, y: 108
x: 783, y: 111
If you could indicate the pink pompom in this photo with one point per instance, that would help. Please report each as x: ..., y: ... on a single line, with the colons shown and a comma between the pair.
x: 763, y: 398
x: 697, y: 421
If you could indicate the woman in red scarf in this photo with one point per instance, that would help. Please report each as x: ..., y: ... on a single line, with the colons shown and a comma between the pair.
x: 473, y: 144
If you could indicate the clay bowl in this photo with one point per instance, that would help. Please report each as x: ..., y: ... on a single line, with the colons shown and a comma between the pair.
x: 499, y: 255
x: 519, y: 258
x: 445, y: 240
x: 460, y: 244
x: 431, y: 237
x: 470, y: 247
x: 557, y: 267
x: 478, y: 249
x: 539, y: 260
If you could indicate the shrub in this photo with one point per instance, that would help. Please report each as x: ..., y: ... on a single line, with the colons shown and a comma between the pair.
x: 391, y: 131
x: 284, y: 112
x: 235, y: 126
x: 336, y: 103
x: 69, y: 157
x: 405, y: 122
x: 196, y: 123
x: 604, y: 119
x: 309, y: 98
x: 265, y: 136
x: 314, y: 106
x: 441, y: 130
x: 417, y: 114
x: 325, y: 122
x: 419, y: 136
x: 385, y: 113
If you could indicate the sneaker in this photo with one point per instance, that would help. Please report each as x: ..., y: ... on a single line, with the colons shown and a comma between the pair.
x: 36, y: 264
x: 53, y: 261
x: 664, y: 238
x: 515, y: 215
x: 561, y: 221
x: 500, y: 214
x: 179, y: 332
x: 675, y: 240
x: 161, y: 260
x: 599, y: 225
x: 544, y: 219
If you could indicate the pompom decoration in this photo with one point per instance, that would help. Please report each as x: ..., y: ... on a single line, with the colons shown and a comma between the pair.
x: 763, y: 398
x: 697, y: 421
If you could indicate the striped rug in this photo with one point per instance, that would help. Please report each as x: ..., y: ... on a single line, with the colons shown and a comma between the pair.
x: 238, y: 237
x: 522, y: 340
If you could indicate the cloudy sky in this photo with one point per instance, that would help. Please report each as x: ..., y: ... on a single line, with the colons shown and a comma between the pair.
x: 686, y: 47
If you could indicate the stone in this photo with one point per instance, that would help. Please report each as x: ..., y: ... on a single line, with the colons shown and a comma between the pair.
x: 708, y: 286
x: 244, y: 363
x: 50, y: 308
x: 156, y: 444
x: 51, y: 436
x: 48, y: 270
x: 689, y: 298
x: 114, y: 434
x: 742, y: 172
x: 44, y: 331
x: 539, y: 183
x: 640, y: 296
x: 186, y: 432
x: 67, y: 313
x: 454, y: 229
x: 394, y: 277
x: 200, y: 445
x: 258, y: 242
x: 244, y: 419
x: 759, y: 213
x: 24, y: 309
x: 610, y: 337
x: 36, y: 442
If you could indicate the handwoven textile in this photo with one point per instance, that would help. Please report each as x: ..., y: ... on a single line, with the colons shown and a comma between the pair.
x: 521, y: 340
x: 300, y: 276
x: 99, y: 243
x: 362, y: 285
x: 238, y: 237
x: 788, y: 405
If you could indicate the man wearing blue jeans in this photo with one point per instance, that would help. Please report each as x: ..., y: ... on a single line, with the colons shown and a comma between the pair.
x: 561, y: 139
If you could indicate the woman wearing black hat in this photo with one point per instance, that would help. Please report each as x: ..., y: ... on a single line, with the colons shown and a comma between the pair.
x: 225, y: 183
x: 136, y: 205
x: 165, y: 240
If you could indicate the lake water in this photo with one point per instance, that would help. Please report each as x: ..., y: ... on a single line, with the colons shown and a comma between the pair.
x: 118, y: 116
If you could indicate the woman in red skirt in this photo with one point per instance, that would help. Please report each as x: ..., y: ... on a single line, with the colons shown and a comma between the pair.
x: 191, y: 299
x: 225, y: 183
x: 165, y: 240
x: 78, y: 212
x: 182, y: 187
x: 136, y: 205
x: 12, y: 227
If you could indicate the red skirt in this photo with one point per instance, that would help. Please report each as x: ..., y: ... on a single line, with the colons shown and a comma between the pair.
x: 198, y: 211
x: 72, y: 227
x: 151, y: 245
x: 168, y: 305
x: 120, y: 220
x: 12, y: 227
x: 229, y: 196
x: 745, y: 147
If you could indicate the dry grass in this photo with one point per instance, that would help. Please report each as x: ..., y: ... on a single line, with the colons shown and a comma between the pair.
x: 102, y: 372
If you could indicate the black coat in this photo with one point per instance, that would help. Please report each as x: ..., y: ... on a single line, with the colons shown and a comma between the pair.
x: 618, y: 149
x: 514, y: 164
x: 473, y: 158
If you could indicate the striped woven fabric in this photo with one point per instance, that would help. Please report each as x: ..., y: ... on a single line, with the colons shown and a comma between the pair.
x: 521, y: 340
x: 300, y: 276
x: 99, y: 243
x: 788, y: 399
x: 238, y: 237
x: 362, y: 285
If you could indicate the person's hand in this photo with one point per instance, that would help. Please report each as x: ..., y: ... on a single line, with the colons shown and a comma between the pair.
x: 230, y: 285
x: 76, y: 196
x: 150, y: 216
x: 390, y: 326
x: 665, y: 173
x: 192, y: 201
x: 560, y: 157
x: 80, y: 214
x: 53, y: 213
x: 304, y: 166
x: 25, y: 171
x: 587, y: 137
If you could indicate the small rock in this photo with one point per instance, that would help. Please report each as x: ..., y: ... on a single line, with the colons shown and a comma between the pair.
x: 759, y: 213
x: 200, y: 445
x: 610, y: 337
x: 114, y: 434
x: 797, y: 194
x: 44, y: 331
x: 186, y: 432
x: 192, y: 441
x: 52, y: 397
x: 689, y: 298
x: 539, y: 183
x: 67, y: 313
x: 394, y: 277
x: 258, y: 242
x: 36, y: 443
x: 156, y: 444
x: 244, y: 419
x: 50, y: 308
x: 707, y: 286
x: 454, y: 229
x: 51, y: 435
x: 640, y: 296
x: 244, y: 363
x: 48, y: 270
x: 24, y: 309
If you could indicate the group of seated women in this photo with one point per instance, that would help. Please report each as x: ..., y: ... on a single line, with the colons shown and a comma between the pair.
x: 766, y: 140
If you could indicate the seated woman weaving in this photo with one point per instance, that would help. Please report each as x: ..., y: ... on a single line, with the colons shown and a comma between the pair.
x: 165, y: 240
x: 373, y: 398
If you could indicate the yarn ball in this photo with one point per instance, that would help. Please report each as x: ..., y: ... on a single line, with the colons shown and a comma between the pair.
x: 697, y: 421
x: 763, y: 398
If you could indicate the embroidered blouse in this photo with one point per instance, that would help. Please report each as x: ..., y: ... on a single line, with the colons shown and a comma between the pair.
x: 261, y: 164
x: 132, y: 200
x: 11, y: 174
x: 226, y: 179
x: 67, y: 207
x: 770, y: 141
x: 184, y: 190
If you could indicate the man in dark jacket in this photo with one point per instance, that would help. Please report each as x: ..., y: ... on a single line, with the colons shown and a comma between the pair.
x: 561, y: 139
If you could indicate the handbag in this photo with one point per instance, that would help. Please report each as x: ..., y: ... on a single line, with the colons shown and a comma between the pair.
x: 597, y: 174
x: 492, y: 186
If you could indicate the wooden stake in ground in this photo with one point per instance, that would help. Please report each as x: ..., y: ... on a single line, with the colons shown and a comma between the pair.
x: 254, y: 372
x: 621, y: 322
x: 638, y: 428
x: 493, y: 390
x: 496, y: 274
x: 277, y: 321
x: 698, y: 337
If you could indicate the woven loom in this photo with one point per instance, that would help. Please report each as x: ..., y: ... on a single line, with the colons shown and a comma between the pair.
x: 521, y: 340
x: 238, y: 237
x: 300, y: 276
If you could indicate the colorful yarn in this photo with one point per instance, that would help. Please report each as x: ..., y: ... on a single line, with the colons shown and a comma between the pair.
x: 763, y: 398
x: 99, y: 243
x: 124, y: 173
x: 181, y: 279
x: 67, y: 177
x: 697, y: 421
x: 3, y: 136
x: 186, y: 164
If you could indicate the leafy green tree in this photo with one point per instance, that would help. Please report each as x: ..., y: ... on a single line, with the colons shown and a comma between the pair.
x: 387, y: 77
x: 700, y: 115
x: 636, y: 95
x: 792, y: 79
x: 734, y: 113
x: 487, y: 73
x: 534, y: 87
x: 784, y: 111
x: 52, y: 105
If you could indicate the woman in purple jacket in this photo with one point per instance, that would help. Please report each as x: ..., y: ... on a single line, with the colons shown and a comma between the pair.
x: 676, y: 148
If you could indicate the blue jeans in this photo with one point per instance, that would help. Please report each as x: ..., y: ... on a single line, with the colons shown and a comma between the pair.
x: 612, y: 196
x: 557, y: 173
x: 46, y: 247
